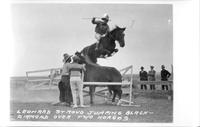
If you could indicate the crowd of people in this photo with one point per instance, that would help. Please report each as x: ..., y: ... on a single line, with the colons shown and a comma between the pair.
x: 151, y: 76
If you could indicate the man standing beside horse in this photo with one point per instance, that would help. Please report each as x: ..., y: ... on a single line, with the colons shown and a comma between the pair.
x: 65, y: 96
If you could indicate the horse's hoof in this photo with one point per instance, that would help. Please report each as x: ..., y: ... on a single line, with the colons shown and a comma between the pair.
x: 113, y: 103
x: 116, y: 50
x: 119, y: 103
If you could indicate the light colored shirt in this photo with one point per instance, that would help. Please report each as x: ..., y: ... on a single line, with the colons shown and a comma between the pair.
x: 75, y: 69
x: 151, y: 75
x: 65, y: 70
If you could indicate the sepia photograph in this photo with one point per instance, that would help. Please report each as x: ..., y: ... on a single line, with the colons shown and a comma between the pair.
x: 92, y: 62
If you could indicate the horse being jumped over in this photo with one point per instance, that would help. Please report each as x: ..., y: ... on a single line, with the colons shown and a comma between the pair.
x: 106, y: 45
x: 96, y: 73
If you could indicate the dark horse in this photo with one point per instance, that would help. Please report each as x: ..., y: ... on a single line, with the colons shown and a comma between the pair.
x: 96, y: 73
x: 106, y: 45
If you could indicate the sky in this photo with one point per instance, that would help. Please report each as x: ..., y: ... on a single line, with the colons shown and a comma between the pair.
x: 43, y: 32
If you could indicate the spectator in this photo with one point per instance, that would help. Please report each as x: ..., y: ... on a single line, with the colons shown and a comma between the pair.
x: 164, y: 76
x: 151, y: 77
x: 143, y: 77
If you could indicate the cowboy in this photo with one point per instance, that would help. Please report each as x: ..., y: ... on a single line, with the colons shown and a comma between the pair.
x: 101, y: 28
x: 65, y: 96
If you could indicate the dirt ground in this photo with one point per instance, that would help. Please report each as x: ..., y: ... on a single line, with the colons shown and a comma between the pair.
x: 27, y: 105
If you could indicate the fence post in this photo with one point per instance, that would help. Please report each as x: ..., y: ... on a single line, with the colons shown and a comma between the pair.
x: 51, y: 78
x: 27, y: 76
x: 131, y: 85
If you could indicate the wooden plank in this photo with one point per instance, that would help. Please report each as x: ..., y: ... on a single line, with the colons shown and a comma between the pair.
x: 127, y: 68
x: 43, y: 70
x: 153, y: 82
x: 106, y: 83
x: 36, y: 80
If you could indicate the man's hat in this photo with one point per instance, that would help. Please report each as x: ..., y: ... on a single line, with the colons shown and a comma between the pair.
x: 151, y: 66
x: 66, y: 56
x: 163, y: 66
x: 105, y: 17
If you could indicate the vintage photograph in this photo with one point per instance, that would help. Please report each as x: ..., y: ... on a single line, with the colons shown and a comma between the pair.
x: 92, y: 62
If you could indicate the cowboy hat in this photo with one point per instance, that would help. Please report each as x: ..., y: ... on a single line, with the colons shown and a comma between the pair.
x: 105, y: 17
x: 151, y: 66
x: 66, y: 57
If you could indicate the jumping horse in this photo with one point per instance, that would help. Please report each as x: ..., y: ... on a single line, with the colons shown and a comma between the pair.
x: 106, y: 45
x: 97, y: 73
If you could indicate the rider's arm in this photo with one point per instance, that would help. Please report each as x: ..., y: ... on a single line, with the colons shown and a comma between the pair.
x: 169, y: 74
x: 94, y: 21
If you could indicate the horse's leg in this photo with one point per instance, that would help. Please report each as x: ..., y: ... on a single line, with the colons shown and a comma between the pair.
x: 116, y: 50
x: 105, y: 52
x: 114, y: 96
x: 119, y: 92
x: 92, y: 90
x: 110, y: 92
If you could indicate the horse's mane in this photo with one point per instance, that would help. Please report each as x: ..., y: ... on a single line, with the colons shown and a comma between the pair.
x: 89, y: 61
x: 114, y: 29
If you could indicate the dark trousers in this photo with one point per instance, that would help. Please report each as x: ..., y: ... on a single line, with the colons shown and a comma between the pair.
x: 65, y: 90
x: 152, y: 86
x: 165, y: 86
x: 144, y: 86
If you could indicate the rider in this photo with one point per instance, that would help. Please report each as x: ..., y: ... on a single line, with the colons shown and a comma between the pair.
x: 101, y: 28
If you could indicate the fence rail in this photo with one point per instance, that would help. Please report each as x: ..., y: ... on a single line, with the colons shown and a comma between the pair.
x: 153, y: 82
x: 106, y: 83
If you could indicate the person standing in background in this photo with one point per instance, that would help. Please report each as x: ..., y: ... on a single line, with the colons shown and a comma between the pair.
x: 152, y: 77
x: 143, y: 77
x: 164, y: 76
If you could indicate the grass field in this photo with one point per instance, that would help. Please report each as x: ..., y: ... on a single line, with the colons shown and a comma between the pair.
x: 26, y: 105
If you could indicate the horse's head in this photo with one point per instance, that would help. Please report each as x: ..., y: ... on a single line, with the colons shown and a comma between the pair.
x: 118, y: 34
x: 85, y: 59
x: 81, y: 57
